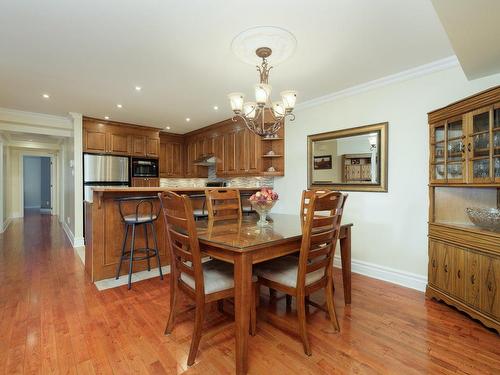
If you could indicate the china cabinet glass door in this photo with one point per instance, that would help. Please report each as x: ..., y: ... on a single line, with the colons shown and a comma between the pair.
x: 438, y: 153
x: 455, y: 151
x: 480, y: 146
x: 496, y: 142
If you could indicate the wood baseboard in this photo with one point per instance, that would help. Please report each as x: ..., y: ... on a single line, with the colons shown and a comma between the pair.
x: 438, y: 295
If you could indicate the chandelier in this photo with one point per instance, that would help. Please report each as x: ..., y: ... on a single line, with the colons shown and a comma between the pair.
x: 263, y: 117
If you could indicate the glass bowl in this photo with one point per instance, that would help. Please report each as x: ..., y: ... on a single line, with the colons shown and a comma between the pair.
x: 262, y: 208
x: 485, y: 218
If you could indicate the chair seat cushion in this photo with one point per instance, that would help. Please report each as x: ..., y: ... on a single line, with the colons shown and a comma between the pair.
x: 140, y: 219
x: 217, y: 276
x: 284, y: 271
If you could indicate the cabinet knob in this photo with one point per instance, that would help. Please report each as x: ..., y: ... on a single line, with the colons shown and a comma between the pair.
x: 469, y: 147
x: 472, y: 279
x: 445, y: 268
x: 434, y: 263
x: 459, y: 274
x: 490, y: 286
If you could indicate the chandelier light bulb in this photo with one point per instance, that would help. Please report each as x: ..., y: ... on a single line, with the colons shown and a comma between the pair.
x: 236, y: 100
x: 249, y: 110
x: 262, y: 93
x: 289, y: 98
x: 278, y: 109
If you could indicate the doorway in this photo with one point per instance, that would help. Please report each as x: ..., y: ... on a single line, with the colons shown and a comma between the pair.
x: 37, y: 185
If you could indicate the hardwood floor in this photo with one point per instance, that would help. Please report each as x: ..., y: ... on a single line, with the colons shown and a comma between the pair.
x: 53, y: 320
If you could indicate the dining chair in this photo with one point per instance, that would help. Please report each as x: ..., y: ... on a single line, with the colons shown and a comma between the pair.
x: 223, y: 204
x: 313, y: 269
x: 204, y: 282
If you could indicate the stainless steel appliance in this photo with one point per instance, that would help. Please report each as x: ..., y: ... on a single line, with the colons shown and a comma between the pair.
x: 104, y: 171
x: 144, y: 167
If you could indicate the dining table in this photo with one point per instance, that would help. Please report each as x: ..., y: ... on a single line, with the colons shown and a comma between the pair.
x: 244, y: 243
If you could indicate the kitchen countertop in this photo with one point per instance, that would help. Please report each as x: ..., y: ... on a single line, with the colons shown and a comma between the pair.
x: 154, y: 189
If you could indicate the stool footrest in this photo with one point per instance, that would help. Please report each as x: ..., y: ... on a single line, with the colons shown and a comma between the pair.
x: 152, y: 253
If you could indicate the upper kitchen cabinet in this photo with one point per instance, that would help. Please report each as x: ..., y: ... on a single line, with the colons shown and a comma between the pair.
x: 107, y: 137
x: 171, y: 155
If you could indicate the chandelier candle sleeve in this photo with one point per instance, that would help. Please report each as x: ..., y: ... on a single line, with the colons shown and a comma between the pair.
x: 263, y: 117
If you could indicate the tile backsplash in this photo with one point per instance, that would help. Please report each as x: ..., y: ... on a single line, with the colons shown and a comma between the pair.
x: 231, y: 182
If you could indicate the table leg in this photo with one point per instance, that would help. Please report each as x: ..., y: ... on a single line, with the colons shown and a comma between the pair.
x: 242, y: 295
x: 345, y: 257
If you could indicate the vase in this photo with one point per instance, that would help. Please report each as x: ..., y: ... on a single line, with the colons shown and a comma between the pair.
x: 262, y: 208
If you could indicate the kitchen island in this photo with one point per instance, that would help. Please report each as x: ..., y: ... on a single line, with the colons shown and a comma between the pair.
x: 104, y: 228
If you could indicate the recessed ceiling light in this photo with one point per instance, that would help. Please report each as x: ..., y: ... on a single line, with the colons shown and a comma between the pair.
x: 106, y: 117
x: 188, y: 119
x: 216, y: 108
x: 119, y: 106
x: 138, y: 88
x: 167, y: 127
x: 46, y: 96
x: 30, y: 140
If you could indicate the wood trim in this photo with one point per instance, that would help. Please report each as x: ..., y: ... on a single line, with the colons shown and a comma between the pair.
x: 117, y: 123
x: 433, y: 292
x: 482, y: 99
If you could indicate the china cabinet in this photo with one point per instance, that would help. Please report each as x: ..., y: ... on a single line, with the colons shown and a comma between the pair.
x: 464, y: 172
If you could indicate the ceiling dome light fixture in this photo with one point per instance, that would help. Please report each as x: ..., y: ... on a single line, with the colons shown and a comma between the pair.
x: 263, y: 117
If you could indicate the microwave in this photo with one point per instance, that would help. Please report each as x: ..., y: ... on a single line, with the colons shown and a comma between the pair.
x: 144, y: 167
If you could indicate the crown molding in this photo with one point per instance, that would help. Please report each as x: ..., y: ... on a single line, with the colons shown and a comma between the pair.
x: 435, y: 66
x: 15, y: 116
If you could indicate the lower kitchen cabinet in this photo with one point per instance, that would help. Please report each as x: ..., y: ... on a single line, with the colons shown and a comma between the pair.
x: 145, y: 182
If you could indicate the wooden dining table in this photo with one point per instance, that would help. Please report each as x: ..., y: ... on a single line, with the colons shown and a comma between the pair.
x: 244, y: 244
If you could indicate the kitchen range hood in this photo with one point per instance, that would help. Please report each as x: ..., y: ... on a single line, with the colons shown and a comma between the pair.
x: 206, y: 160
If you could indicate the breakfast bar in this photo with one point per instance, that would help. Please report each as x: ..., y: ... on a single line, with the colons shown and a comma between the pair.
x: 104, y: 230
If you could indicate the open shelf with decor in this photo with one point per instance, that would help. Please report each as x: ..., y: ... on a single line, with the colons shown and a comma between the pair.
x: 273, y: 154
x: 464, y: 212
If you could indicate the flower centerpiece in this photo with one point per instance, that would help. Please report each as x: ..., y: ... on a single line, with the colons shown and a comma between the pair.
x: 262, y: 202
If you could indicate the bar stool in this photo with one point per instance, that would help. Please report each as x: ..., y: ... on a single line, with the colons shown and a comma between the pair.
x: 146, y: 216
x: 199, y: 213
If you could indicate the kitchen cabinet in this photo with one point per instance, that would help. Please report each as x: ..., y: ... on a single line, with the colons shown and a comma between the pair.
x: 118, y: 143
x: 152, y: 147
x: 230, y: 167
x: 108, y: 137
x: 145, y: 182
x: 94, y: 141
x: 171, y: 156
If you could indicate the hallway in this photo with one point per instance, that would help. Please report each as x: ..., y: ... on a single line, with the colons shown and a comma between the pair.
x: 53, y: 320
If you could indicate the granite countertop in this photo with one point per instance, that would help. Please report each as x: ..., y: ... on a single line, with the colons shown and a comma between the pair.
x: 154, y: 189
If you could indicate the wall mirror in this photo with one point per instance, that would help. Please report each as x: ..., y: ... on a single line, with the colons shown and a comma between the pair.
x: 352, y: 159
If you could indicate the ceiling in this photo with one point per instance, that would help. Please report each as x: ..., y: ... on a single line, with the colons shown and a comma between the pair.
x: 474, y: 32
x: 89, y: 55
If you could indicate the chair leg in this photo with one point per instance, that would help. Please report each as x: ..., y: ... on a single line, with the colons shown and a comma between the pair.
x: 198, y: 325
x: 253, y: 308
x: 123, y: 251
x: 301, y: 313
x: 220, y: 305
x: 272, y: 295
x: 331, y: 305
x: 157, y: 250
x: 288, y: 300
x: 173, y: 302
x: 147, y: 245
x: 131, y: 260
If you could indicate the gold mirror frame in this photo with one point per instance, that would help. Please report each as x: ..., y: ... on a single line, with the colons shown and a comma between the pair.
x: 381, y: 186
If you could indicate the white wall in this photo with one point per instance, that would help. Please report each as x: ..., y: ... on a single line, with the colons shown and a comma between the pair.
x: 390, y: 229
x: 68, y: 187
x: 3, y: 185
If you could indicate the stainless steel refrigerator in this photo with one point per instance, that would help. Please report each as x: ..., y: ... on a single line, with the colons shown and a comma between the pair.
x: 104, y: 171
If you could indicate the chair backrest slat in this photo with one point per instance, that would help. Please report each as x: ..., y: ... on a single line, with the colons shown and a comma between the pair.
x: 223, y: 204
x: 321, y: 212
x: 182, y: 238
